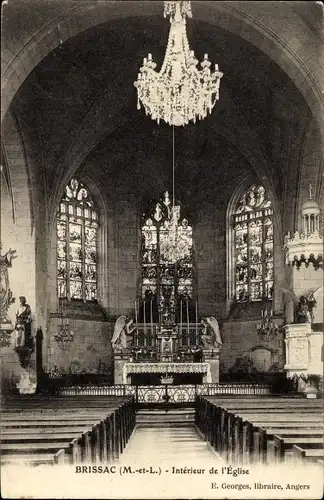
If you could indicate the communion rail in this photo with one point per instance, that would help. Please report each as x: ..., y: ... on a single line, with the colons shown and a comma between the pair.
x: 166, y: 394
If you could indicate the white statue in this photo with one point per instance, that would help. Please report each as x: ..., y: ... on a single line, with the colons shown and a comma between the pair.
x: 212, y: 339
x: 123, y: 332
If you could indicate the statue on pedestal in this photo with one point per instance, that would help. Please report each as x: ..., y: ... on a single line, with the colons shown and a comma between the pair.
x: 24, y: 345
x: 6, y: 298
x: 303, y: 306
x: 213, y: 338
x: 123, y: 333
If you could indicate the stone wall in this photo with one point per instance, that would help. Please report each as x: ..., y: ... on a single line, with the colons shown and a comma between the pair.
x: 240, y: 338
x: 90, y: 351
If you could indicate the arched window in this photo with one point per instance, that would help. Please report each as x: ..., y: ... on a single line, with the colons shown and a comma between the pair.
x: 253, y: 233
x: 166, y: 254
x: 77, y: 228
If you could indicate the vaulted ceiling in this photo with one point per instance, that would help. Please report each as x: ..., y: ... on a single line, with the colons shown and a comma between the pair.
x: 81, y: 104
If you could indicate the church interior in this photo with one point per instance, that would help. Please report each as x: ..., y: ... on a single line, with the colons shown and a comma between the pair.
x: 162, y: 260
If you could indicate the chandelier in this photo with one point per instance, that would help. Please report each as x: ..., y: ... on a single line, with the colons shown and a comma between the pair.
x: 64, y: 336
x: 180, y: 92
x: 267, y: 328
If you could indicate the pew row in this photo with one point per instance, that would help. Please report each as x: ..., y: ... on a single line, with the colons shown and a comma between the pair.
x: 238, y: 429
x: 69, y: 433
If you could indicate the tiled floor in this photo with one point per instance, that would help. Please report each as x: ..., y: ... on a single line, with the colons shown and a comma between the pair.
x: 168, y: 444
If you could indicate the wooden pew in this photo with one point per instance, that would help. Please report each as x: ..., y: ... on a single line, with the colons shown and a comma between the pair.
x: 57, y: 458
x: 233, y: 439
x: 104, y: 431
x: 253, y: 444
x: 283, y: 445
x: 303, y: 454
x: 266, y: 435
x: 71, y: 448
x: 227, y: 424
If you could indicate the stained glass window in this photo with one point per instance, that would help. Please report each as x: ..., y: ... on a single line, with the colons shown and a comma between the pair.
x: 253, y: 232
x: 166, y: 254
x: 77, y: 227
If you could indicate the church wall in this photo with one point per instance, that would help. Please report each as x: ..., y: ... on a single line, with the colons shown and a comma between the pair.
x: 90, y: 352
x: 18, y: 233
x: 118, y: 273
x: 240, y: 338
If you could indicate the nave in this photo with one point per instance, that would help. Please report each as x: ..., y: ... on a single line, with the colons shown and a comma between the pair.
x: 101, y: 430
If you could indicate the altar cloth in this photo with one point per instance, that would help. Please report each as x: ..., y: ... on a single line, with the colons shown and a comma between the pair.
x: 167, y: 368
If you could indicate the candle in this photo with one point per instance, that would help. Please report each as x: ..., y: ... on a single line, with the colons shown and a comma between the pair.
x: 144, y: 319
x: 271, y: 312
x: 188, y: 321
x: 136, y: 321
x: 197, y: 323
x: 151, y: 314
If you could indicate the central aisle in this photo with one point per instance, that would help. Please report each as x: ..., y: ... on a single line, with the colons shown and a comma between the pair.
x: 171, y: 445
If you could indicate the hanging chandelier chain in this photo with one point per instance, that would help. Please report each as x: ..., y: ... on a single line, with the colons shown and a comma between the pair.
x: 173, y: 167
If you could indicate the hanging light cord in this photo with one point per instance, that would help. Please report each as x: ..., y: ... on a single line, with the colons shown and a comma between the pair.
x: 173, y: 168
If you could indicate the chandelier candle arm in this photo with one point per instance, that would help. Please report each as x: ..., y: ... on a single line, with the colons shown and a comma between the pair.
x: 180, y: 92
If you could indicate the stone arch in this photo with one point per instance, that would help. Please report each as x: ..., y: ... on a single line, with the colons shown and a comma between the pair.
x: 265, y: 28
x: 100, y: 124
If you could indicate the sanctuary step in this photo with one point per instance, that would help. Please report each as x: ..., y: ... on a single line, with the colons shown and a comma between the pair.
x: 166, y: 417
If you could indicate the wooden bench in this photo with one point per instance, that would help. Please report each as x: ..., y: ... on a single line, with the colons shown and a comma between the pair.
x: 91, y: 434
x: 303, y: 454
x: 283, y: 445
x: 229, y: 425
x: 231, y: 434
x: 266, y: 435
x: 57, y: 458
x: 251, y: 444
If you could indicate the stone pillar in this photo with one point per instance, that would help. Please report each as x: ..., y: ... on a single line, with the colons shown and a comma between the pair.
x: 211, y: 356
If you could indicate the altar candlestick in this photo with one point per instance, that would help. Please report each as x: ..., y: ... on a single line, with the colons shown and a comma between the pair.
x: 144, y: 319
x: 188, y: 329
x: 196, y: 323
x: 136, y: 323
x: 181, y: 321
x: 151, y: 315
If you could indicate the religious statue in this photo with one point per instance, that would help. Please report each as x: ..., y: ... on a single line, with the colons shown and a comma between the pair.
x: 303, y: 306
x: 123, y: 333
x: 6, y: 298
x: 212, y: 339
x: 24, y: 340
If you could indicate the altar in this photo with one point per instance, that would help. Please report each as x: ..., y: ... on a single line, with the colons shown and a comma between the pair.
x: 157, y: 355
x: 167, y: 371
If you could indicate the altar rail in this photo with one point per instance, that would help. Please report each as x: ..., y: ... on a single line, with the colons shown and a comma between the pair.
x: 172, y: 394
